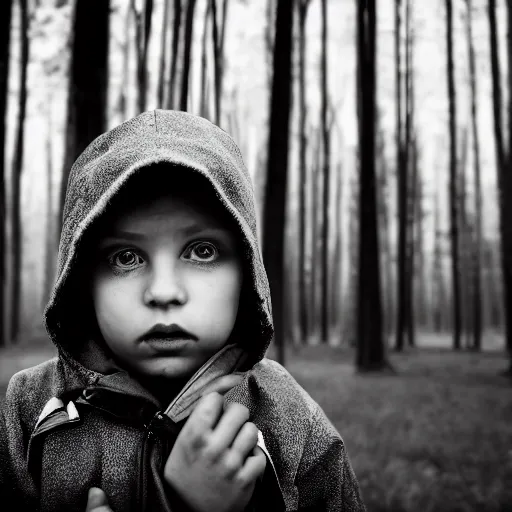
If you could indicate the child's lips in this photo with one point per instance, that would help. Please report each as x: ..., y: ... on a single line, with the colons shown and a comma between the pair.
x: 168, y: 344
x: 167, y: 338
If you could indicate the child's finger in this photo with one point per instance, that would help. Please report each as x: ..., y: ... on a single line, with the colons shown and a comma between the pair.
x: 233, y: 419
x: 96, y: 499
x: 253, y: 468
x: 203, y: 418
x: 246, y: 440
x: 223, y: 384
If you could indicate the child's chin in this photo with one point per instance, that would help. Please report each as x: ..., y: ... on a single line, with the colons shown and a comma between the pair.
x: 170, y: 368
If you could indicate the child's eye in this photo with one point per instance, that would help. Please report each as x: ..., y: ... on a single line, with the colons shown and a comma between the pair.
x: 202, y: 251
x: 125, y: 260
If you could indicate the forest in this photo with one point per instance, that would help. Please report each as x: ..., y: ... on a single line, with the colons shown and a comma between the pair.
x: 379, y: 138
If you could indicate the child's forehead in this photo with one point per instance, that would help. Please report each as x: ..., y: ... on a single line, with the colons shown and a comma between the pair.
x: 186, y: 202
x: 171, y: 208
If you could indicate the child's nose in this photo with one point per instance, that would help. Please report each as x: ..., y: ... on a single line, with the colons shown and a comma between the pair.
x: 165, y: 287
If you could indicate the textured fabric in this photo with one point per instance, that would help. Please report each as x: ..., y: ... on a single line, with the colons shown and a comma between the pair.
x: 79, y: 420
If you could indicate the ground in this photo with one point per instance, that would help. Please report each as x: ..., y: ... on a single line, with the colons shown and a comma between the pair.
x: 434, y: 437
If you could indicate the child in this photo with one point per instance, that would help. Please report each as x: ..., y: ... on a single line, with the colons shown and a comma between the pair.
x: 160, y: 398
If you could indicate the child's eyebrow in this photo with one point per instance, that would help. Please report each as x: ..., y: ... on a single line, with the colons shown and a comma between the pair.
x: 194, y: 229
x: 187, y: 231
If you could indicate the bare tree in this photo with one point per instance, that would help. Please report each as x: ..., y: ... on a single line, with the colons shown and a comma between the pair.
x: 409, y: 163
x: 203, y: 96
x: 175, y: 51
x: 401, y: 160
x: 316, y: 241
x: 302, y: 299
x: 418, y: 247
x: 163, y: 55
x: 17, y: 169
x: 142, y: 33
x: 277, y: 166
x: 123, y: 101
x: 216, y: 60
x: 439, y: 292
x: 412, y: 205
x: 88, y: 79
x: 384, y: 231
x: 5, y: 32
x: 454, y: 216
x: 476, y: 310
x: 222, y: 40
x: 370, y: 343
x: 465, y: 236
x: 187, y: 49
x: 337, y: 285
x: 350, y: 328
x: 218, y: 38
x: 324, y: 308
x: 50, y: 252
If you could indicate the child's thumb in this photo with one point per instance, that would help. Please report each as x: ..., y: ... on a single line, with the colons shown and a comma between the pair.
x: 96, y: 499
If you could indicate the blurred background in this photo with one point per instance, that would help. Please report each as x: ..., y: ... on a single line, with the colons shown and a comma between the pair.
x: 379, y: 138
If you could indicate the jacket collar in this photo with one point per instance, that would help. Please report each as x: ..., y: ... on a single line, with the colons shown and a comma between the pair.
x: 220, y: 373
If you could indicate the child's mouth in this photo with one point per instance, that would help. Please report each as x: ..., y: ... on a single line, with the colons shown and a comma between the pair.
x: 167, y: 337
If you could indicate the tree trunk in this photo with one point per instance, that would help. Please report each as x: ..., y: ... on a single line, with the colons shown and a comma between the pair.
x: 88, y: 80
x: 187, y: 49
x: 370, y: 345
x: 222, y: 60
x: 384, y: 230
x: 163, y: 56
x: 503, y: 166
x: 411, y: 244
x: 386, y: 247
x: 203, y: 97
x: 337, y: 284
x: 176, y: 30
x: 310, y: 233
x: 216, y: 60
x: 50, y: 253
x: 351, y: 324
x: 437, y: 270
x: 465, y: 242
x: 326, y: 146
x: 409, y: 164
x: 476, y: 309
x: 508, y: 189
x: 401, y: 307
x: 316, y: 241
x: 422, y: 301
x: 17, y: 237
x: 303, y: 313
x: 277, y: 166
x: 5, y: 32
x: 454, y: 217
x: 143, y: 30
x: 123, y: 107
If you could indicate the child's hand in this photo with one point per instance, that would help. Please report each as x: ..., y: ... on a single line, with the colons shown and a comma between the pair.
x: 215, y: 462
x: 97, y: 501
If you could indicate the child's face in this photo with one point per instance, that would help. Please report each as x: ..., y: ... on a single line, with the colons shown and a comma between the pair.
x: 173, y: 264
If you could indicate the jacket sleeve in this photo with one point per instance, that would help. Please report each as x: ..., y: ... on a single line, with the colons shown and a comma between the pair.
x: 325, y: 479
x: 14, y: 478
x: 9, y: 492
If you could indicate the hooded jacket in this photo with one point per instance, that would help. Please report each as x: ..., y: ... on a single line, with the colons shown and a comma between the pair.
x: 79, y: 421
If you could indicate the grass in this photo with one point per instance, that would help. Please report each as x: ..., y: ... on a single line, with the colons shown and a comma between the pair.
x: 437, y: 436
x: 434, y: 437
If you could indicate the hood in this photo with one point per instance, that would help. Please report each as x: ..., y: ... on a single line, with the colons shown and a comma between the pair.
x: 189, y: 144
